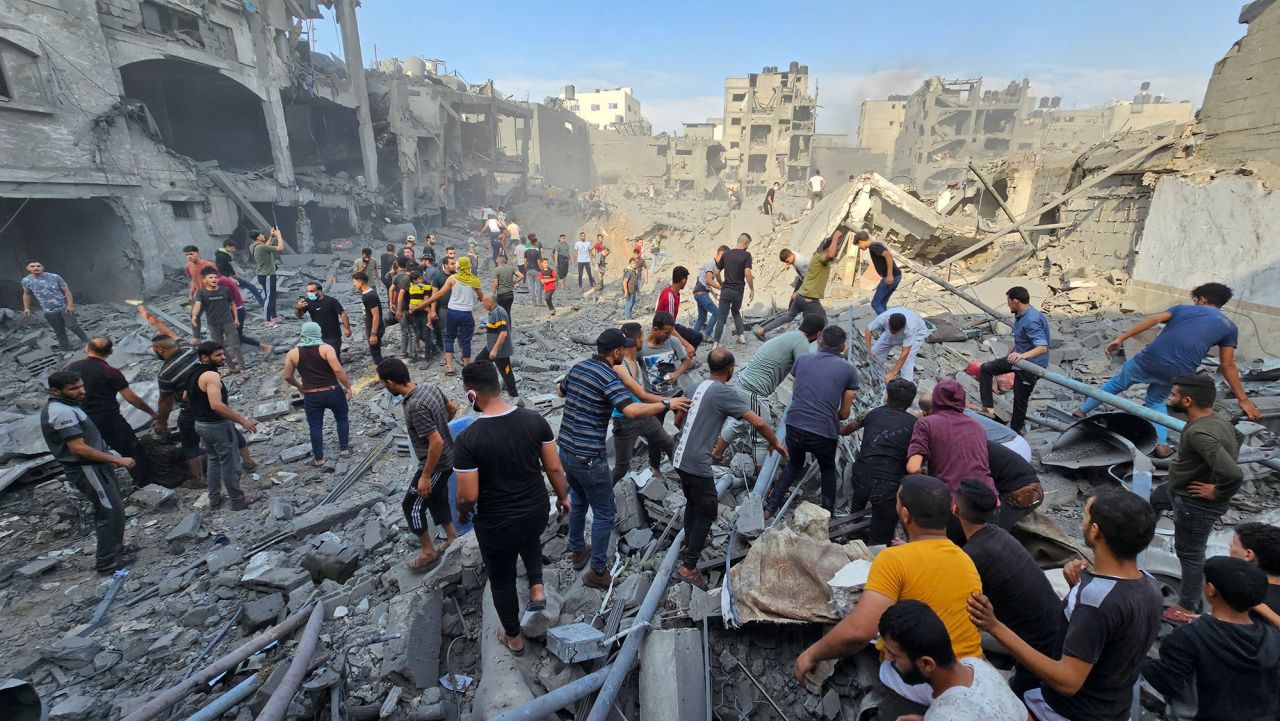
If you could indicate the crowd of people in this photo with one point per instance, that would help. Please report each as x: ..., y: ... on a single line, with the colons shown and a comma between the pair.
x: 955, y: 479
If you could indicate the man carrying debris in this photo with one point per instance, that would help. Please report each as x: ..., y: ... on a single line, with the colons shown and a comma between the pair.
x: 501, y: 459
x: 591, y: 390
x: 53, y: 295
x: 768, y: 368
x: 1203, y: 477
x: 704, y: 293
x: 1030, y: 343
x: 712, y: 403
x: 927, y: 568
x: 736, y: 265
x: 426, y: 415
x: 264, y: 256
x: 626, y: 431
x: 326, y: 311
x: 808, y: 294
x: 1112, y: 612
x: 817, y: 186
x: 499, y: 344
x: 953, y: 445
x: 897, y: 327
x: 224, y: 260
x: 823, y: 387
x: 889, y: 271
x: 75, y: 443
x: 373, y: 322
x: 214, y: 419
x: 1189, y: 332
x: 583, y: 248
x: 218, y: 305
x: 102, y: 382
x: 882, y: 458
x: 324, y: 386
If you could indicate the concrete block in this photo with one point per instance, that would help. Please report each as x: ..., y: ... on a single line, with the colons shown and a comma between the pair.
x: 415, y: 656
x: 672, y: 675
x: 153, y: 496
x: 704, y: 604
x: 271, y: 570
x: 281, y: 510
x: 188, y: 527
x: 638, y: 538
x: 374, y: 534
x: 576, y: 642
x: 293, y: 454
x: 269, y: 411
x: 72, y: 652
x: 73, y: 708
x: 224, y: 557
x: 812, y: 521
x: 322, y: 518
x: 264, y: 611
x: 630, y: 512
x: 633, y: 589
x: 581, y: 601
x: 331, y: 559
x: 197, y: 616
x: 750, y: 521
x: 37, y: 567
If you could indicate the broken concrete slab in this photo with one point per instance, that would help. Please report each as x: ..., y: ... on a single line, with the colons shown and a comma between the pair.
x: 633, y: 589
x: 223, y: 557
x: 269, y: 411
x: 293, y: 454
x: 672, y: 675
x: 704, y: 604
x: 71, y: 652
x: 153, y: 496
x: 322, y: 518
x: 188, y: 527
x: 271, y: 570
x: 37, y: 567
x: 415, y: 655
x: 281, y: 509
x: 629, y: 511
x: 811, y: 520
x: 750, y: 520
x: 331, y: 559
x: 73, y: 708
x: 263, y: 611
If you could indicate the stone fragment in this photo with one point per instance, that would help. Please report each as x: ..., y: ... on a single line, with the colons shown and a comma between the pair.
x: 269, y: 411
x: 271, y: 570
x: 37, y: 567
x: 632, y: 590
x: 672, y: 676
x: 188, y: 527
x: 811, y: 520
x: 704, y: 604
x: 293, y: 454
x: 281, y: 510
x: 263, y: 611
x: 72, y: 652
x: 630, y: 513
x: 223, y: 557
x: 197, y: 616
x: 415, y: 656
x: 153, y: 496
x: 637, y: 539
x: 73, y: 708
x: 750, y: 521
x: 331, y: 560
x: 580, y: 602
x: 374, y: 534
x: 322, y: 518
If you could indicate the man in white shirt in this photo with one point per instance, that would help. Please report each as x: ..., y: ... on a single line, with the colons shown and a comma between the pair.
x: 583, y: 246
x: 897, y: 327
x: 817, y: 184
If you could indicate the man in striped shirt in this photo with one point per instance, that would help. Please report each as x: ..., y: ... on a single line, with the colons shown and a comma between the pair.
x: 592, y: 390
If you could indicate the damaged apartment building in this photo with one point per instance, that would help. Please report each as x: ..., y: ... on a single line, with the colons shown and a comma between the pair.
x: 131, y: 128
x: 769, y: 121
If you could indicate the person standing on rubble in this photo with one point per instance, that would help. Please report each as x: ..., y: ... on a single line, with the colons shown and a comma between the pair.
x: 492, y: 228
x: 817, y: 188
x: 264, y: 255
x: 769, y: 195
x: 823, y: 385
x: 886, y: 267
x: 328, y: 312
x: 237, y: 301
x: 881, y: 462
x: 76, y: 443
x: 373, y: 322
x: 102, y: 383
x: 214, y: 419
x: 626, y: 431
x: 499, y: 344
x: 1030, y: 343
x: 178, y: 363
x: 1112, y: 613
x: 533, y: 270
x: 224, y: 260
x: 462, y: 290
x: 736, y: 266
x: 704, y: 294
x: 713, y: 402
x: 416, y: 313
x: 216, y: 302
x: 324, y: 386
x: 630, y: 289
x: 436, y: 278
x: 385, y: 263
x: 900, y: 327
x: 561, y: 256
x: 505, y: 277
x: 429, y: 249
x: 361, y: 264
x: 53, y: 295
x: 549, y: 280
x: 601, y: 252
x: 1189, y: 332
x: 583, y: 248
x: 591, y: 390
x: 501, y: 459
x: 927, y: 568
x: 426, y: 416
x: 196, y: 266
x: 669, y: 302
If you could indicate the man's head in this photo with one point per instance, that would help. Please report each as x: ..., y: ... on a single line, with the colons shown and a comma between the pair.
x: 1018, y: 298
x: 582, y: 235
x: 257, y: 236
x: 431, y: 238
x: 230, y: 244
x: 776, y: 184
x: 482, y: 382
x: 450, y: 266
x: 1236, y: 582
x: 974, y: 503
x: 394, y: 375
x: 787, y: 257
x: 489, y: 302
x: 679, y: 277
x: 744, y: 240
x: 391, y: 248
x: 360, y: 280
x: 1191, y: 392
x: 563, y: 239
x: 600, y: 237
x: 1257, y: 543
x: 366, y: 253
x: 35, y: 267
x: 163, y: 345
x: 916, y: 642
x: 833, y: 338
x: 410, y: 241
x: 811, y: 325
x: 664, y: 325
x: 212, y: 353
x: 900, y: 393
x: 99, y: 347
x: 926, y: 404
x: 1214, y: 294
x: 897, y: 322
x: 633, y: 263
x: 408, y: 255
x: 721, y: 251
x: 67, y: 385
x: 634, y: 332
x: 192, y: 253
x: 451, y: 253
x: 720, y: 363
x: 209, y: 279
x: 1120, y: 521
x: 863, y: 239
x: 314, y: 291
x: 924, y: 504
x: 609, y: 345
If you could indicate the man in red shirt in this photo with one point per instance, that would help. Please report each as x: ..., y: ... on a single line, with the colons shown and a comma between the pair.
x: 195, y: 268
x: 669, y: 302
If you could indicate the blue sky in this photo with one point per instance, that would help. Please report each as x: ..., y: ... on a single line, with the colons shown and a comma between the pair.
x: 676, y: 55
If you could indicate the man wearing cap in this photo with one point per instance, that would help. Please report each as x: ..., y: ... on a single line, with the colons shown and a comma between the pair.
x: 592, y: 390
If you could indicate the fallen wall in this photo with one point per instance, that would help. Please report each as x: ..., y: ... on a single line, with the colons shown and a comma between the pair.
x: 1222, y: 231
x: 616, y: 156
x: 1241, y: 112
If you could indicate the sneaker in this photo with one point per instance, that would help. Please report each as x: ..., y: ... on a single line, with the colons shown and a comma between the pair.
x: 597, y: 580
x: 742, y: 340
x: 580, y: 559
x: 759, y: 331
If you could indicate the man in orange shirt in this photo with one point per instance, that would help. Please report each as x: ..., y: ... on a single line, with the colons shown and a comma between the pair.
x: 195, y: 269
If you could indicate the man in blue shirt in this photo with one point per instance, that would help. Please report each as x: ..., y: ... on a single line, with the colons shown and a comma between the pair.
x: 1030, y: 343
x: 1189, y: 332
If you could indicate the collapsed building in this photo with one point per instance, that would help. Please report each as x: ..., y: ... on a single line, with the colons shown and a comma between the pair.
x: 769, y: 120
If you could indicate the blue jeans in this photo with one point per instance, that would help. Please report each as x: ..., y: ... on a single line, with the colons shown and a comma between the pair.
x: 315, y: 404
x: 708, y: 312
x: 629, y: 306
x: 880, y: 301
x: 1158, y: 390
x: 590, y: 484
x: 459, y: 325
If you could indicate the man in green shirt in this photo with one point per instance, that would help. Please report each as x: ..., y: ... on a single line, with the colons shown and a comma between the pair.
x: 264, y: 256
x: 561, y: 253
x: 1203, y: 476
x: 808, y: 298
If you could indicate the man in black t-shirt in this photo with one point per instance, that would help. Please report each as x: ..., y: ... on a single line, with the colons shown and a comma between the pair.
x: 373, y: 320
x: 889, y: 271
x: 1023, y: 598
x: 882, y: 457
x: 736, y: 277
x: 102, y: 382
x: 532, y: 261
x: 1011, y: 472
x: 1113, y: 617
x: 500, y: 460
x: 328, y: 313
x: 385, y: 261
x: 224, y: 259
x: 767, y: 207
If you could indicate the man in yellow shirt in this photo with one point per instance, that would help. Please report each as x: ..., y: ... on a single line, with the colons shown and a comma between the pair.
x: 928, y: 568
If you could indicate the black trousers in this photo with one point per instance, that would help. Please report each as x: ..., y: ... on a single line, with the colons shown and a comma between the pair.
x: 700, y: 508
x: 625, y: 433
x: 1023, y: 384
x: 800, y: 443
x: 499, y: 548
x: 375, y: 351
x: 504, y: 368
x: 799, y: 305
x: 434, y: 505
x: 691, y: 336
x: 880, y: 489
x: 97, y: 482
x: 505, y: 300
x: 120, y: 438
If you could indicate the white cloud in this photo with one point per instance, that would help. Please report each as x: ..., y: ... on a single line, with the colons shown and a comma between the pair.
x: 840, y: 96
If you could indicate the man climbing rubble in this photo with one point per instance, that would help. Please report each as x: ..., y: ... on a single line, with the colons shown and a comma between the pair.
x: 224, y: 260
x: 75, y: 443
x: 53, y: 295
x: 889, y: 271
x: 807, y: 295
x: 1030, y: 343
x: 626, y: 431
x: 713, y: 402
x: 500, y: 460
x: 102, y: 383
x: 1189, y: 332
x: 736, y: 267
x: 591, y: 390
x: 704, y: 294
x: 324, y: 386
x: 214, y: 424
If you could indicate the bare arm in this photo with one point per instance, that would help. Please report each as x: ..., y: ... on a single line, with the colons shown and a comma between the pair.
x: 1065, y: 676
x: 210, y: 384
x: 26, y: 300
x: 915, y: 464
x: 346, y: 323
x: 888, y: 267
x: 440, y: 292
x: 624, y: 374
x: 710, y: 281
x: 1114, y: 346
x: 66, y: 293
x: 137, y: 402
x: 290, y: 365
x: 435, y: 447
x: 279, y: 244
x: 555, y: 475
x: 164, y: 407
x: 849, y: 636
x: 89, y: 453
x: 846, y: 403
x: 751, y: 281
x: 497, y: 343
x: 1227, y: 358
x: 195, y: 318
x: 468, y: 493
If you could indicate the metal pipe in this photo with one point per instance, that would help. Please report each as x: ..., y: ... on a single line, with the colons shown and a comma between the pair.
x: 552, y: 701
x: 278, y: 704
x: 180, y: 691
x: 228, y: 700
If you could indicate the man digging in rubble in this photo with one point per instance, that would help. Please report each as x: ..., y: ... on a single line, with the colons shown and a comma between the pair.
x: 53, y: 295
x: 214, y: 419
x: 102, y: 383
x: 75, y: 443
x: 808, y: 294
x: 669, y: 302
x: 324, y: 386
x: 927, y: 568
x: 426, y: 415
x: 882, y: 458
x: 896, y: 327
x: 1030, y: 343
x: 591, y: 390
x: 501, y: 459
x: 1189, y: 332
x: 712, y: 403
x: 626, y: 431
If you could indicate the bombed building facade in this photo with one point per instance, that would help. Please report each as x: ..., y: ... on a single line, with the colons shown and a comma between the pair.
x: 769, y: 121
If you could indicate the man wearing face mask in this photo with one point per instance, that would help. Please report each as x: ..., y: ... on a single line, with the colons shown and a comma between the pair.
x: 426, y: 415
x: 328, y: 312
